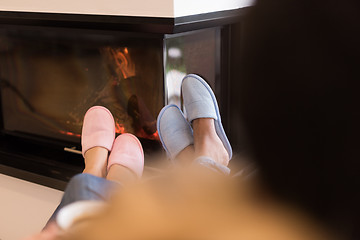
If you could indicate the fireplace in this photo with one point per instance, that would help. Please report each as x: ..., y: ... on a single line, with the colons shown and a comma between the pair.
x: 49, y: 79
x: 53, y: 67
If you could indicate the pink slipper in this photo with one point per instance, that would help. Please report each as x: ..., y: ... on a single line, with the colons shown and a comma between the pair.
x: 98, y: 129
x: 128, y: 152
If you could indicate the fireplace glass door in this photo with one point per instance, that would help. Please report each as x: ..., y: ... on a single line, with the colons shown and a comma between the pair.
x: 50, y: 77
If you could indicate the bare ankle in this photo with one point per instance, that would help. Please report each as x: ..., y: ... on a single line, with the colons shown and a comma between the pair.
x: 96, y: 161
x: 186, y: 156
x: 211, y: 146
x: 96, y: 171
x: 205, y: 125
x: 207, y: 142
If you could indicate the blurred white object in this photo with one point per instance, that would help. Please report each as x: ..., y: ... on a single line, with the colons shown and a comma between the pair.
x: 173, y: 85
x: 70, y: 213
x: 174, y: 52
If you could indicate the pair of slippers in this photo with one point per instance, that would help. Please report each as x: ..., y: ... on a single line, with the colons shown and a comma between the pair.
x: 99, y: 131
x: 174, y: 130
x: 199, y: 101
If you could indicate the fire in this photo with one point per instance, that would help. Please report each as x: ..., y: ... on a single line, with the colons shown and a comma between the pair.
x: 122, y: 60
x: 155, y: 135
x: 69, y: 133
x: 119, y: 128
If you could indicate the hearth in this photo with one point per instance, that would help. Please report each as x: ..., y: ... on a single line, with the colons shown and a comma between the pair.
x: 53, y: 67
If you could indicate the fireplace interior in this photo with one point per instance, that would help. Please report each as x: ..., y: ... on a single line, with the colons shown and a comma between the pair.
x: 50, y: 79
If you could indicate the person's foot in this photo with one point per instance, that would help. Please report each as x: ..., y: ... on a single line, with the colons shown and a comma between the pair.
x: 126, y: 160
x: 98, y: 134
x: 203, y: 113
x: 207, y: 142
x: 98, y: 129
x: 96, y: 161
x: 175, y: 132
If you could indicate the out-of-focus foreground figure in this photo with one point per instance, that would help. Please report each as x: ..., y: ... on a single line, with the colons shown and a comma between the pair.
x: 300, y: 105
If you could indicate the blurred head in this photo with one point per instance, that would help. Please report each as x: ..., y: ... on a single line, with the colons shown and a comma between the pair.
x: 300, y: 103
x: 193, y: 204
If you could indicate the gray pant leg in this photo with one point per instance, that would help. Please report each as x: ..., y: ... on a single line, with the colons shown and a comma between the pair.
x: 85, y: 187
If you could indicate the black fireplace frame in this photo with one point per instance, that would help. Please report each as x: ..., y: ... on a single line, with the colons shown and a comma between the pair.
x: 156, y: 25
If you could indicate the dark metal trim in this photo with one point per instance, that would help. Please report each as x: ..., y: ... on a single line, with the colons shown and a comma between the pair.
x: 214, y: 19
x: 225, y: 83
x: 123, y: 23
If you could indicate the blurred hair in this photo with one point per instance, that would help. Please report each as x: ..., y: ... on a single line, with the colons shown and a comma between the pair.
x: 300, y: 104
x: 194, y: 204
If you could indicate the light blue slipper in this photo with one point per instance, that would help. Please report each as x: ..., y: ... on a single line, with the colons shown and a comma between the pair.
x: 174, y: 131
x: 200, y: 102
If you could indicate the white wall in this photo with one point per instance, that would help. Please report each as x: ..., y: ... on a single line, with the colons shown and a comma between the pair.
x: 192, y: 7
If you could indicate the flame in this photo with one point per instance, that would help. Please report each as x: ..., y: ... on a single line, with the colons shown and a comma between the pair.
x: 119, y: 128
x: 124, y: 65
x: 69, y: 133
x: 155, y: 135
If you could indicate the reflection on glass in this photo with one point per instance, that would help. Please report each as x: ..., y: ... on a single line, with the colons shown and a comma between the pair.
x: 194, y: 52
x: 48, y: 81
